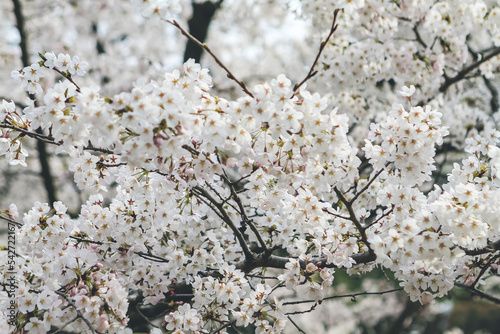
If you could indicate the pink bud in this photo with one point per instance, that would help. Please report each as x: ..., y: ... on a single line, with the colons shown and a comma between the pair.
x: 231, y: 162
x: 158, y: 140
x: 13, y: 212
x: 304, y: 151
x: 102, y: 323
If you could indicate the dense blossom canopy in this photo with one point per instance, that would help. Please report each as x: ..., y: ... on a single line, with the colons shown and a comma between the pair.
x: 214, y: 201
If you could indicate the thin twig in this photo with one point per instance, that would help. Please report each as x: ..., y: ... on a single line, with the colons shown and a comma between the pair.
x: 11, y: 221
x: 417, y: 35
x: 68, y: 77
x: 312, y: 308
x: 312, y: 72
x: 352, y: 295
x: 226, y: 325
x: 353, y: 218
x: 335, y: 214
x: 143, y: 316
x: 146, y: 256
x: 249, y: 257
x: 368, y: 184
x: 491, y: 247
x: 206, y: 48
x: 243, y: 214
x: 381, y: 217
x: 78, y: 312
x: 59, y: 330
x: 50, y: 139
x: 296, y: 326
x: 91, y: 147
x: 478, y: 293
x: 484, y: 268
x: 37, y: 136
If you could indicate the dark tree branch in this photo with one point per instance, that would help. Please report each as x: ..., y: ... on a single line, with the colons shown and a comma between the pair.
x: 11, y: 221
x: 381, y: 217
x: 279, y: 262
x: 462, y: 74
x: 296, y: 326
x: 35, y: 135
x: 368, y: 184
x: 50, y: 140
x: 59, y: 330
x: 418, y: 37
x: 478, y: 293
x: 147, y: 256
x: 200, y: 192
x: 226, y: 325
x: 42, y: 150
x: 492, y: 247
x: 335, y: 215
x: 494, y: 103
x: 350, y: 295
x: 206, y: 48
x: 484, y: 268
x: 312, y: 308
x: 78, y: 312
x: 243, y: 214
x: 353, y: 218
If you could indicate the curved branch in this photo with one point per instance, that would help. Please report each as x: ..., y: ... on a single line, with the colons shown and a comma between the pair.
x: 35, y: 135
x: 369, y: 183
x: 312, y: 72
x: 11, y: 221
x: 353, y: 218
x: 78, y: 312
x: 492, y: 247
x: 50, y: 140
x: 199, y: 191
x: 243, y: 214
x: 146, y: 256
x: 461, y: 75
